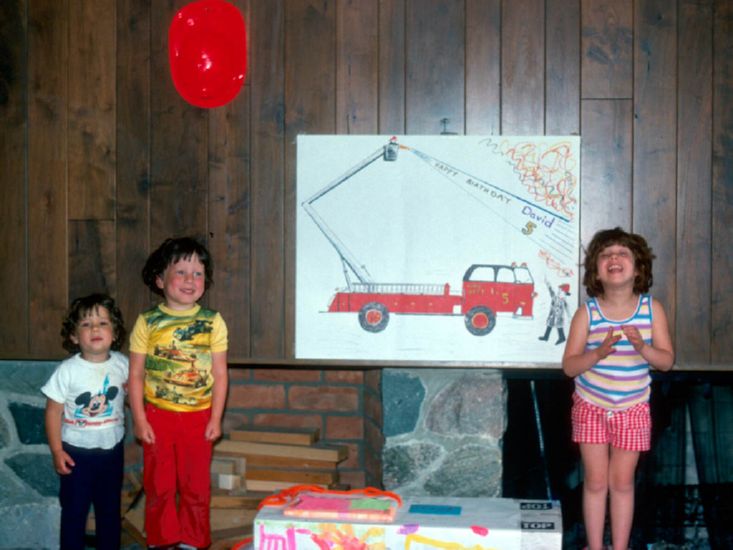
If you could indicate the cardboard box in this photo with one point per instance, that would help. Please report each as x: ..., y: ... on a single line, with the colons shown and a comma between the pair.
x: 424, y: 523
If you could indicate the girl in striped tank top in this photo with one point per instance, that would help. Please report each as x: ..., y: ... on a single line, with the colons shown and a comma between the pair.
x: 615, y: 337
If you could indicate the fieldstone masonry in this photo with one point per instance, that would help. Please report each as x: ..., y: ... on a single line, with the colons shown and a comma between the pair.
x: 28, y: 484
x: 443, y: 430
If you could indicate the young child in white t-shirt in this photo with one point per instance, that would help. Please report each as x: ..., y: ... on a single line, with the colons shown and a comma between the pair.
x: 85, y: 421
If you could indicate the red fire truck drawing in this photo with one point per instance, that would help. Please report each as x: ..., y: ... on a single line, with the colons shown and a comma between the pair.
x: 487, y: 289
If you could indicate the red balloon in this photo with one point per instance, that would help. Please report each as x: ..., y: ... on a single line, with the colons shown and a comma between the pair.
x: 207, y: 52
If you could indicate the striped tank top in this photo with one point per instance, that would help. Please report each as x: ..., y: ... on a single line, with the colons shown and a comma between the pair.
x: 622, y: 379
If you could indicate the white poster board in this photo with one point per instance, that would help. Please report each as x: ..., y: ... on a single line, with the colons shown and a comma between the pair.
x: 436, y: 248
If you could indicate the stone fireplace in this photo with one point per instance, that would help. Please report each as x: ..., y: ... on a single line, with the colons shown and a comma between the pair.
x: 443, y: 431
x: 417, y: 431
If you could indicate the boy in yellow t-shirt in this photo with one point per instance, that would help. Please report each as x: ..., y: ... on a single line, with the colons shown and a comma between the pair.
x: 178, y: 386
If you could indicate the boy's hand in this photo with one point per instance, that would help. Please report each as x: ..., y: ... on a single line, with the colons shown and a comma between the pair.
x: 213, y: 431
x: 634, y: 336
x: 606, y: 348
x: 144, y: 432
x: 62, y: 462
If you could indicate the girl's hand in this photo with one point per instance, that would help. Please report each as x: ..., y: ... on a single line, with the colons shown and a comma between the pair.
x: 62, y: 462
x: 144, y: 432
x: 634, y: 336
x: 213, y: 430
x: 606, y: 348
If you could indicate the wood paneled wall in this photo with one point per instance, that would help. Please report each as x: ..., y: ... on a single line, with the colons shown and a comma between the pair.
x: 100, y: 159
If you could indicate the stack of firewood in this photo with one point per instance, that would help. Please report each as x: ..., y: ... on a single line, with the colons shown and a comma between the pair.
x: 275, y: 460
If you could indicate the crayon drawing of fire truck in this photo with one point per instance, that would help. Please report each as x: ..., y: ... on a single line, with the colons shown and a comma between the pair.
x: 486, y: 289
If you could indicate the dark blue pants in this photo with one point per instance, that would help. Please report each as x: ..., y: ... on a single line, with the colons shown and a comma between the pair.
x: 96, y: 479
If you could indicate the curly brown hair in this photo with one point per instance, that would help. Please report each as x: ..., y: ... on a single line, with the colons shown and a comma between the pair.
x: 638, y: 246
x: 80, y: 308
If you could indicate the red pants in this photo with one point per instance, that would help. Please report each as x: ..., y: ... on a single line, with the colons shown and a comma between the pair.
x: 177, y: 467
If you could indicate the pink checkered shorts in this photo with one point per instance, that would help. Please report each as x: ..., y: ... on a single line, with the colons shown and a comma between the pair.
x: 629, y: 429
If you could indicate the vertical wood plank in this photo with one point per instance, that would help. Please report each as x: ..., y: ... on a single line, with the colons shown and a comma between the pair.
x: 694, y: 171
x: 357, y: 59
x: 607, y: 49
x: 267, y: 215
x: 91, y: 258
x: 391, y: 66
x: 133, y: 137
x: 310, y: 107
x: 483, y: 67
x: 655, y: 133
x: 92, y: 83
x: 606, y: 150
x: 562, y: 89
x: 13, y: 211
x: 523, y: 68
x: 48, y: 26
x: 722, y: 194
x: 435, y: 49
x: 229, y: 215
x: 179, y: 186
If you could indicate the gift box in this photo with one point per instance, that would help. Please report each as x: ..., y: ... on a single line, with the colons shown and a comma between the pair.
x: 419, y: 523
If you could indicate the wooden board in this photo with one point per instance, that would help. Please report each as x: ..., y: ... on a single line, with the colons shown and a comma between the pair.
x: 91, y: 129
x: 132, y: 180
x: 274, y: 486
x: 306, y: 436
x: 229, y: 217
x: 91, y: 257
x: 310, y: 28
x: 391, y: 67
x: 13, y: 211
x: 228, y: 499
x: 607, y: 43
x: 562, y: 86
x: 246, y: 448
x: 522, y: 68
x: 264, y: 281
x: 325, y: 477
x: 178, y: 148
x: 434, y: 90
x: 607, y: 152
x: 228, y: 465
x: 655, y: 141
x: 47, y: 160
x: 483, y: 66
x: 721, y: 346
x: 357, y: 63
x: 694, y: 201
x: 290, y: 462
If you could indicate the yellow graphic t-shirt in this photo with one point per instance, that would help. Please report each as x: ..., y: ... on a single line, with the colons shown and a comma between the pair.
x: 178, y: 347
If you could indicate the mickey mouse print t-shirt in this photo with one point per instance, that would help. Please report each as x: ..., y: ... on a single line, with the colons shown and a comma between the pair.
x: 93, y: 395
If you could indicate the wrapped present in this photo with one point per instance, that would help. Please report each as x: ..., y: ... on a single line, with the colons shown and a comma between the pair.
x: 375, y: 520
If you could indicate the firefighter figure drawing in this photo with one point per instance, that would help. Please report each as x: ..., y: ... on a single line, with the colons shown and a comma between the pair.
x: 558, y: 312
